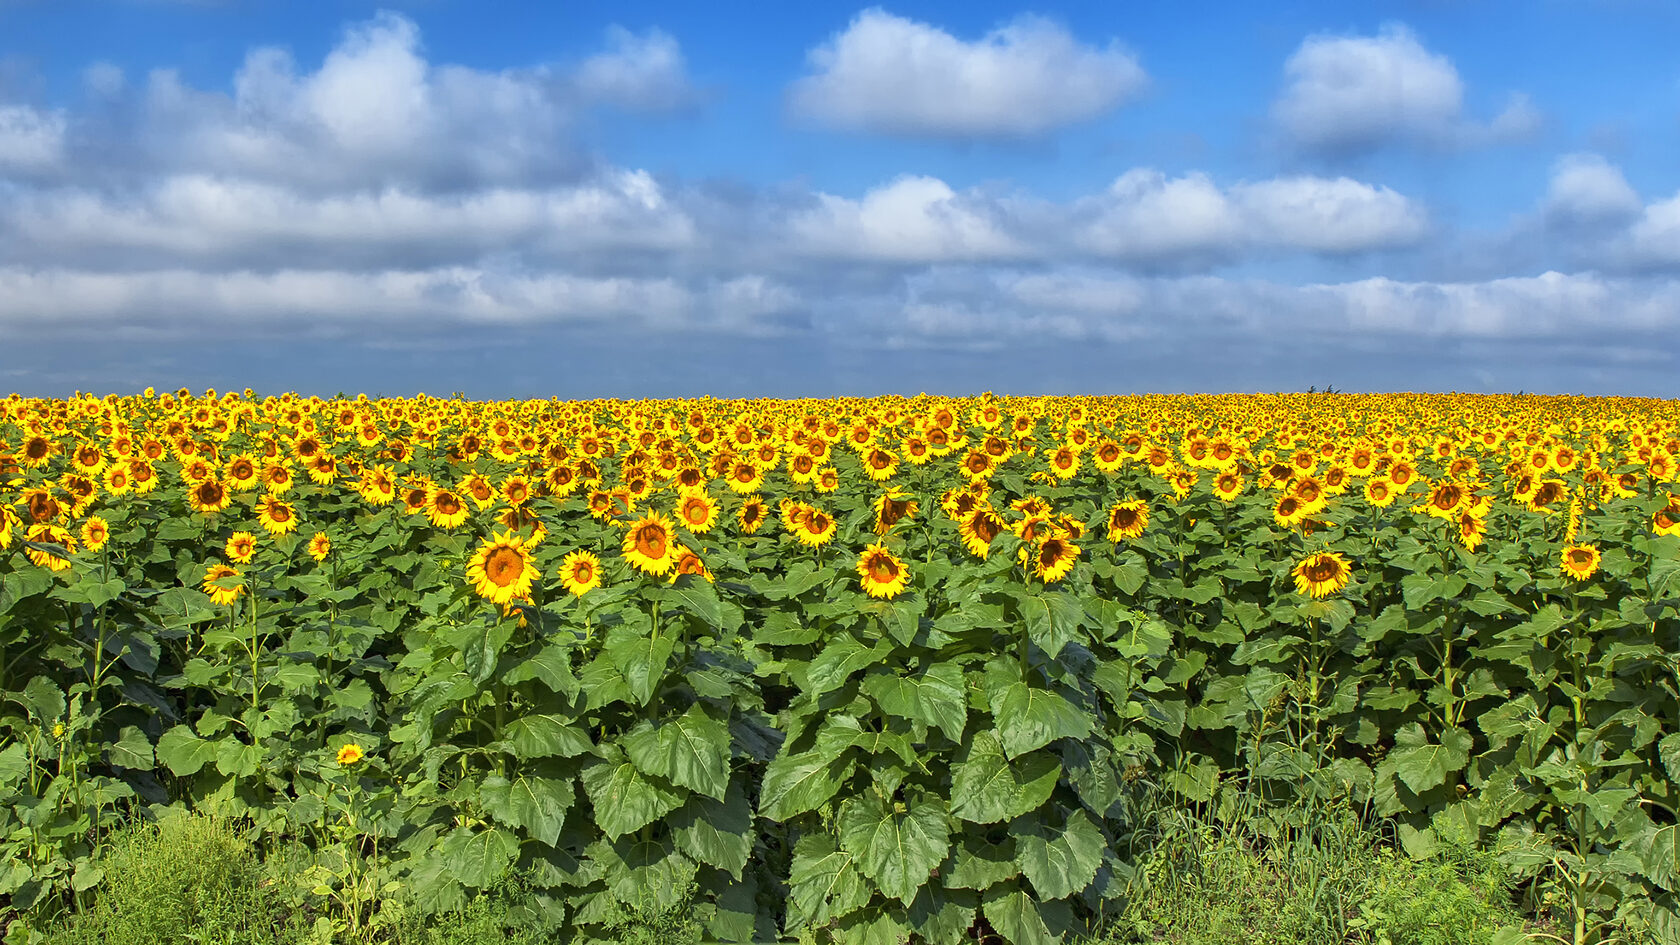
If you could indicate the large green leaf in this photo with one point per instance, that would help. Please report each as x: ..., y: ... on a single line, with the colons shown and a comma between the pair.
x: 624, y: 798
x: 794, y: 784
x: 642, y: 661
x: 1059, y: 861
x: 1015, y: 916
x: 1052, y: 619
x: 544, y: 735
x: 935, y: 697
x: 1422, y: 764
x: 183, y: 752
x: 895, y: 844
x: 552, y: 666
x: 987, y: 787
x: 691, y: 750
x: 976, y: 864
x: 824, y: 883
x: 1027, y: 717
x: 534, y: 804
x: 839, y: 659
x: 717, y: 833
x: 478, y: 858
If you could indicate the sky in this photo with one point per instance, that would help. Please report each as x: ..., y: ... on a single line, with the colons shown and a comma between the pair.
x: 740, y: 199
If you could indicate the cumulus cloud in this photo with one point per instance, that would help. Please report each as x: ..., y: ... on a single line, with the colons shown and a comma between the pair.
x: 892, y: 75
x: 1145, y: 215
x: 1588, y: 188
x: 639, y: 72
x: 911, y: 219
x: 31, y: 140
x: 1358, y: 93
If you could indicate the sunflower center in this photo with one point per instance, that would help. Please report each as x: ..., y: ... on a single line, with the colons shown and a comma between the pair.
x: 883, y: 569
x: 503, y: 566
x: 1580, y: 557
x: 651, y: 541
x: 1320, y: 571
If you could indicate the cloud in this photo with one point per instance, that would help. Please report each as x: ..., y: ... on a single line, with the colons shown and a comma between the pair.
x: 30, y: 140
x: 896, y: 76
x: 1147, y: 216
x: 1358, y: 93
x: 637, y: 72
x: 1586, y: 188
x: 910, y: 220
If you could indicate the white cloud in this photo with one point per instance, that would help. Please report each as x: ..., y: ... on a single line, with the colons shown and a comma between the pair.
x: 897, y: 76
x: 910, y: 220
x: 640, y: 72
x: 1331, y: 216
x: 1355, y: 93
x: 1147, y: 216
x: 1654, y: 238
x: 1587, y: 188
x: 30, y: 139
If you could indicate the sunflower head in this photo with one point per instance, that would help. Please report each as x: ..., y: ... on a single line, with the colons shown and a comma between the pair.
x: 320, y: 546
x: 1322, y: 574
x: 1580, y: 562
x: 350, y: 754
x: 649, y: 545
x: 881, y: 573
x: 502, y: 571
x: 580, y: 573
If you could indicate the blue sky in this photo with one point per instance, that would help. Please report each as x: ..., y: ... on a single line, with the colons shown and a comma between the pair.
x: 745, y: 199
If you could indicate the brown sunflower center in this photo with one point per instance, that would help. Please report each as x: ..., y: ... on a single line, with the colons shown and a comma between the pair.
x: 1324, y: 569
x: 882, y: 569
x: 651, y: 540
x: 504, y: 565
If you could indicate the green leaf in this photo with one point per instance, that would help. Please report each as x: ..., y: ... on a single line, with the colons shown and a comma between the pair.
x: 1669, y: 751
x: 896, y: 845
x: 717, y: 833
x: 1422, y: 765
x: 843, y: 656
x: 1052, y: 620
x: 183, y: 752
x: 988, y: 788
x: 824, y: 884
x: 552, y: 666
x: 794, y: 784
x: 1059, y: 862
x: 691, y: 750
x: 1658, y: 849
x: 979, y: 865
x: 132, y: 749
x: 536, y: 805
x: 642, y: 661
x: 1027, y: 718
x: 43, y: 699
x: 936, y: 697
x: 543, y: 735
x: 1015, y: 916
x: 625, y: 799
x: 478, y: 858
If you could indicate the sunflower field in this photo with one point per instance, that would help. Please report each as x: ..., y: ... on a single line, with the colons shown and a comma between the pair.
x: 869, y: 670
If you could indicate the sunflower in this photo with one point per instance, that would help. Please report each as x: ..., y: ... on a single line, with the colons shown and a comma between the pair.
x: 1472, y: 529
x: 95, y: 533
x: 1227, y: 486
x: 1322, y: 574
x: 1667, y: 519
x: 892, y: 508
x: 1108, y: 456
x: 1289, y: 511
x: 8, y: 521
x: 752, y: 514
x: 1053, y: 558
x: 240, y: 547
x: 745, y: 478
x: 501, y: 570
x: 445, y: 508
x: 277, y: 478
x: 977, y: 464
x: 1064, y: 462
x: 377, y: 486
x: 828, y: 479
x: 242, y: 473
x: 1379, y: 492
x: 1580, y: 561
x: 516, y: 490
x: 580, y: 572
x: 880, y: 465
x: 208, y: 496
x: 690, y: 562
x: 219, y: 584
x: 881, y: 573
x: 45, y: 533
x: 648, y: 544
x: 697, y: 512
x: 817, y: 529
x: 37, y: 450
x: 978, y: 528
x: 320, y: 546
x: 1127, y: 520
x: 350, y: 754
x: 276, y: 517
x: 479, y: 490
x: 1445, y: 499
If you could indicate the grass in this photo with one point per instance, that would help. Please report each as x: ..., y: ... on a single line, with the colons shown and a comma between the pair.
x: 1328, y: 879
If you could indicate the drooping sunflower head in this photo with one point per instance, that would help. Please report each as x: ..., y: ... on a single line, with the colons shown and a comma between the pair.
x: 1580, y: 561
x: 978, y: 528
x: 1127, y: 520
x: 220, y: 582
x: 502, y: 569
x: 1053, y: 558
x: 892, y: 508
x: 752, y: 514
x: 690, y: 562
x: 649, y: 544
x: 580, y: 573
x: 881, y: 573
x: 48, y: 534
x: 1322, y: 574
